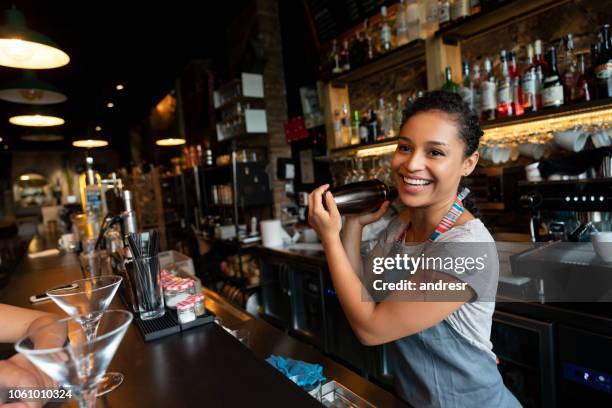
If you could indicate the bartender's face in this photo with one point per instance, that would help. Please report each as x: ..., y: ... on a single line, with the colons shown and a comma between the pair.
x: 430, y: 159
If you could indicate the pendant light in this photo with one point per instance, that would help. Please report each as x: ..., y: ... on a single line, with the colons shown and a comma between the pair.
x: 93, y: 138
x: 23, y: 48
x: 37, y: 118
x: 175, y: 136
x: 30, y: 90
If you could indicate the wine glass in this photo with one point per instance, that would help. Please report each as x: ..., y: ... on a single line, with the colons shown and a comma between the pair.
x: 86, y: 300
x: 64, y: 351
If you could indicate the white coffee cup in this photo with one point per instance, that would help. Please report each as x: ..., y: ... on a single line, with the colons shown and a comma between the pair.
x: 601, y: 139
x: 602, y: 243
x: 532, y: 150
x: 572, y: 140
x: 532, y: 172
x: 67, y: 242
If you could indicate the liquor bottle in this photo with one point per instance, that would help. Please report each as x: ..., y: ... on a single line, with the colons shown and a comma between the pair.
x: 413, y: 20
x: 474, y: 6
x: 504, y: 97
x: 382, y: 120
x: 336, y: 58
x: 345, y: 63
x: 356, y: 56
x: 430, y: 17
x: 459, y: 10
x: 385, y: 31
x: 539, y: 57
x: 516, y: 89
x: 467, y: 89
x: 363, y: 127
x: 449, y: 85
x: 338, y: 138
x: 444, y: 13
x: 362, y: 197
x: 552, y: 88
x: 372, y: 126
x: 529, y: 83
x: 401, y: 24
x: 398, y: 115
x: 488, y: 93
x: 388, y: 121
x: 603, y: 69
x: 476, y: 80
x: 369, y: 44
x: 346, y: 125
x: 94, y: 206
x: 570, y: 76
x: 355, y: 125
x: 584, y: 83
x: 592, y: 66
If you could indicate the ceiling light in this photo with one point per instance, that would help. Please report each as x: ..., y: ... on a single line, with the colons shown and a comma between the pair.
x: 90, y: 143
x: 119, y: 87
x: 36, y: 120
x: 30, y: 90
x: 170, y: 141
x: 110, y: 105
x: 91, y: 139
x: 21, y: 47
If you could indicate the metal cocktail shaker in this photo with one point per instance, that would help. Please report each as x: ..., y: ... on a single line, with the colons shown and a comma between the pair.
x: 362, y: 197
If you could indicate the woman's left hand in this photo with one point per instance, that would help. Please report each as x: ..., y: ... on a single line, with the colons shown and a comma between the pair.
x: 327, y: 223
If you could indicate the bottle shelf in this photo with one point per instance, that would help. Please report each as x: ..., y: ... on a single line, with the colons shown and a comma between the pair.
x: 407, y: 53
x: 492, y: 19
x: 565, y: 110
x: 347, y: 150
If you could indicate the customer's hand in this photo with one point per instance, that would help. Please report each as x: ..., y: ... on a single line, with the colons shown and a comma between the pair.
x: 368, y: 218
x: 18, y: 372
x: 327, y: 222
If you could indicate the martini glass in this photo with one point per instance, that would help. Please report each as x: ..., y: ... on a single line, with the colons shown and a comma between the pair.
x: 86, y: 300
x: 64, y: 351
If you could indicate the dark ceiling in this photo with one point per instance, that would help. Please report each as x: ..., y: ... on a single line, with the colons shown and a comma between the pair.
x: 142, y: 45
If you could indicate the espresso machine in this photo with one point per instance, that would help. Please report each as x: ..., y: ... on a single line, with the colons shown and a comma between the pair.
x: 567, y: 210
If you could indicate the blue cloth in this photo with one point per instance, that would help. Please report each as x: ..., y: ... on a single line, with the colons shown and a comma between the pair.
x: 301, y: 373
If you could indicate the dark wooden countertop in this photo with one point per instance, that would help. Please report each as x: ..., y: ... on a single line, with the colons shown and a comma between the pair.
x: 203, y: 366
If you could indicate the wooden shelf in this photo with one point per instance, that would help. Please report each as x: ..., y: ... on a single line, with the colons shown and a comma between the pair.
x: 564, y: 110
x: 402, y: 55
x: 489, y: 20
x: 379, y: 143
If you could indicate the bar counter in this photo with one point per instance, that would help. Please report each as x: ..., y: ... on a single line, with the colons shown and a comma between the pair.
x: 202, y: 366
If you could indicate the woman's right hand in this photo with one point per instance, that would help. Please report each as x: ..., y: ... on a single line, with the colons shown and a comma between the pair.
x: 367, y: 218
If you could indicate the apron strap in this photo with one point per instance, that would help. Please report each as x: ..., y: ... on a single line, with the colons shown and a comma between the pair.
x: 447, y: 222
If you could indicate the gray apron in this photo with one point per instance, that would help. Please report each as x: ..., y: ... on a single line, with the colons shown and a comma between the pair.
x: 439, y: 368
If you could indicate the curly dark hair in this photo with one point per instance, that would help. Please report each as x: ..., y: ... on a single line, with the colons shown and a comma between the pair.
x: 465, y: 119
x: 452, y: 104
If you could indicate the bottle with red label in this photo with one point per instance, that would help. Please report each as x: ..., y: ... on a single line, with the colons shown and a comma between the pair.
x: 541, y: 70
x: 504, y: 95
x: 516, y: 88
x: 529, y: 83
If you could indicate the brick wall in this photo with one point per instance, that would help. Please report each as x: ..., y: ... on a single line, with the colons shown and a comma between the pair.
x: 275, y: 93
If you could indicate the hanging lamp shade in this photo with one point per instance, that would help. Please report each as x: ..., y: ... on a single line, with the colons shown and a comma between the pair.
x: 21, y: 47
x: 91, y: 139
x: 170, y: 141
x: 30, y: 90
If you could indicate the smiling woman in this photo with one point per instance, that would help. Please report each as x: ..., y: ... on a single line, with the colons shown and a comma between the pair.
x: 431, y: 341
